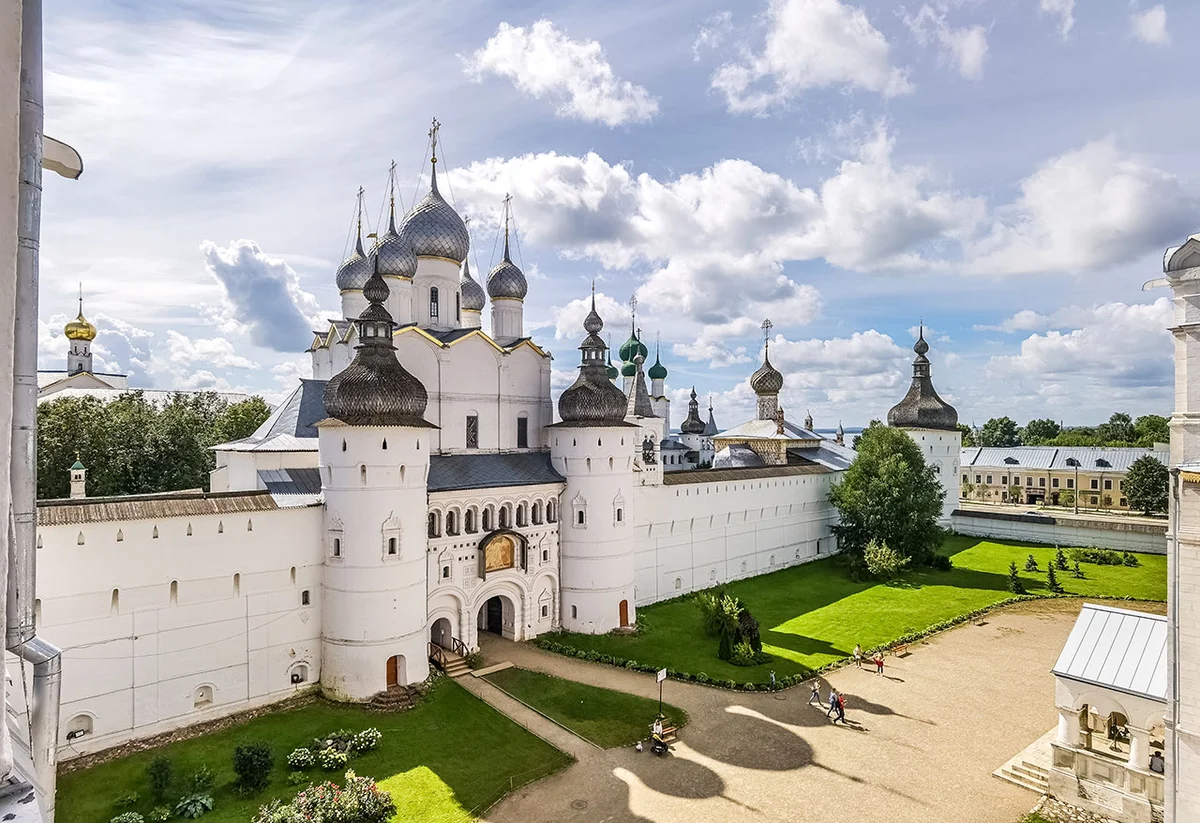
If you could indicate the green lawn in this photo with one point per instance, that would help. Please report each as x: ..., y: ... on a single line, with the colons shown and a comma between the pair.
x: 447, y: 756
x: 603, y: 716
x: 813, y: 614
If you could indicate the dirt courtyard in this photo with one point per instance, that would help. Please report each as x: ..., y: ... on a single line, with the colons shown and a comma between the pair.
x: 921, y: 745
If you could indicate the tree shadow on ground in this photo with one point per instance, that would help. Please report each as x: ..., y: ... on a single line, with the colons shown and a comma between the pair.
x: 752, y: 740
x: 677, y: 776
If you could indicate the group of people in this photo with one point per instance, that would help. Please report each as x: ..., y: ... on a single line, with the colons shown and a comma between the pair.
x: 877, y: 659
x: 837, y: 702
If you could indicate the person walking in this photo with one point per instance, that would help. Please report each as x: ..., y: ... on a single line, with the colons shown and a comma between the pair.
x: 841, y: 709
x: 879, y: 663
x: 815, y: 697
x: 858, y: 655
x: 833, y: 701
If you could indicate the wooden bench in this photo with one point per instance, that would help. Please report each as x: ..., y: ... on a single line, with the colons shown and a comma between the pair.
x: 668, y: 733
x: 900, y: 651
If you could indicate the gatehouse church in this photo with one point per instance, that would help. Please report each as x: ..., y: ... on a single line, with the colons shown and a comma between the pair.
x: 418, y: 490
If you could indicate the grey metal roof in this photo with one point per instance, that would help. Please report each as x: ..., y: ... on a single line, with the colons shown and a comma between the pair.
x: 292, y: 487
x: 671, y: 445
x: 1057, y: 458
x: 1117, y: 649
x: 827, y: 454
x: 719, y: 475
x: 737, y: 456
x: 191, y: 503
x: 485, y: 471
x: 767, y: 430
x: 291, y: 427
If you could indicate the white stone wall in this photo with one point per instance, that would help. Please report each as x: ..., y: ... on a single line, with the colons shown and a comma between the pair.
x: 693, y: 536
x: 238, y: 471
x: 1064, y: 532
x: 942, y: 450
x: 144, y: 621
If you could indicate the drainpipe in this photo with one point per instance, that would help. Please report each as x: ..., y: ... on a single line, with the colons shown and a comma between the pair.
x: 1173, y: 639
x: 21, y: 633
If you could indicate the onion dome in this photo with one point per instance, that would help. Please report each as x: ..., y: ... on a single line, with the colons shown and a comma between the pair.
x: 767, y: 380
x: 613, y: 371
x: 592, y: 399
x: 507, y: 281
x: 375, y: 390
x: 658, y: 371
x: 80, y: 328
x: 631, y: 348
x: 434, y: 228
x: 921, y: 408
x: 355, y: 269
x: 394, y: 253
x: 693, y: 424
x: 472, y: 293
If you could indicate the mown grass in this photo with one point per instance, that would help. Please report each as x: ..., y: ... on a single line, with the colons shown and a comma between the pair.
x: 813, y: 614
x: 440, y: 761
x: 605, y: 717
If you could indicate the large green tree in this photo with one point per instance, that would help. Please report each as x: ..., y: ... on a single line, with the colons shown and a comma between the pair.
x: 888, y: 495
x: 1118, y: 431
x: 130, y: 446
x: 1150, y: 429
x: 1146, y: 485
x: 1000, y: 431
x: 968, y: 434
x: 1039, y: 432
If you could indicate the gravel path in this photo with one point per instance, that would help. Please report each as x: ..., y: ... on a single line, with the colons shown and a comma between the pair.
x: 920, y: 748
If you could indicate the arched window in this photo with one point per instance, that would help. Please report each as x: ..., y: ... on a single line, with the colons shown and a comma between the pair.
x: 189, y: 529
x: 457, y: 308
x: 115, y: 605
x: 574, y: 611
x: 620, y: 516
x: 305, y: 598
x: 299, y: 674
x: 504, y: 516
x: 120, y: 536
x: 451, y: 522
x: 79, y: 539
x: 678, y: 583
x: 337, y: 547
x: 392, y: 548
x: 581, y: 517
x: 469, y: 521
x: 551, y: 514
x: 203, y: 697
x: 237, y: 584
x: 433, y: 525
x: 362, y: 474
x: 433, y: 303
x: 292, y: 573
x: 154, y: 533
x: 522, y: 515
x: 537, y: 513
x: 174, y: 592
x: 487, y: 519
x: 385, y: 444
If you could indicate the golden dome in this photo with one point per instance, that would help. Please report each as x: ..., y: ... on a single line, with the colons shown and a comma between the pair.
x: 80, y: 329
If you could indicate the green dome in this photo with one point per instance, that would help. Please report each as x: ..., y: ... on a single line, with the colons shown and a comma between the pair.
x: 613, y: 371
x: 631, y: 348
x: 629, y: 370
x: 658, y: 371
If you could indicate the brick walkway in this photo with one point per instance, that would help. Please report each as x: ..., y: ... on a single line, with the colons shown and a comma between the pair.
x: 920, y: 748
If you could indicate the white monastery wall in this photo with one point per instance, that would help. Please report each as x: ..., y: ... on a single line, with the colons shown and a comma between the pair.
x: 693, y: 536
x: 160, y: 632
x: 1062, y: 531
x: 238, y: 471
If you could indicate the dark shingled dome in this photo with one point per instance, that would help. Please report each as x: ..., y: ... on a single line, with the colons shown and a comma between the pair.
x: 592, y: 398
x: 767, y: 380
x: 921, y: 408
x: 375, y: 390
x: 693, y: 424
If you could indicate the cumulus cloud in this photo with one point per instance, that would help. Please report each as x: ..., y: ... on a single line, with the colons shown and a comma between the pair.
x: 568, y: 319
x: 713, y: 33
x: 965, y: 48
x: 1131, y: 207
x: 1064, y: 10
x: 214, y: 352
x: 1150, y: 26
x: 809, y: 44
x: 1123, y: 350
x: 542, y: 61
x: 262, y: 294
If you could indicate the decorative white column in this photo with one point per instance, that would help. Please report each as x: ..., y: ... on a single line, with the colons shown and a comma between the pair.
x: 1068, y: 727
x: 1139, y: 748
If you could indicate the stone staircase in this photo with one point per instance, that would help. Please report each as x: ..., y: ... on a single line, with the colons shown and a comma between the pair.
x: 395, y: 699
x: 451, y: 663
x: 1025, y: 774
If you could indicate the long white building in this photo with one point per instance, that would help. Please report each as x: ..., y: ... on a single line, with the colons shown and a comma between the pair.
x: 418, y: 491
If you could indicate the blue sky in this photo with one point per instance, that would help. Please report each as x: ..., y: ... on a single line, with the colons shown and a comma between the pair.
x: 1008, y: 172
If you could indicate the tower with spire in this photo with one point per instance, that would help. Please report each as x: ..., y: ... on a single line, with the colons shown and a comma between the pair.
x: 593, y: 447
x: 507, y: 287
x: 631, y: 348
x: 691, y: 432
x: 397, y: 262
x: 658, y: 390
x: 932, y: 423
x: 374, y: 458
x: 767, y: 381
x: 80, y: 333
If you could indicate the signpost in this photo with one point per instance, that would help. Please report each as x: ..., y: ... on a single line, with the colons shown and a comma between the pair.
x: 662, y: 675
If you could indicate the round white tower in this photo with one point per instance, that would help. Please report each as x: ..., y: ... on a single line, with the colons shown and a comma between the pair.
x: 374, y: 456
x: 593, y: 447
x: 932, y: 423
x: 506, y: 287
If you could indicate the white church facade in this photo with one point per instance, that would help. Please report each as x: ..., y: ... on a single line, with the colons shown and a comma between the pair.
x: 420, y: 490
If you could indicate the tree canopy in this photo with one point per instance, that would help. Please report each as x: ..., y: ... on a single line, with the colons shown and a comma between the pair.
x: 130, y: 446
x: 1146, y: 485
x: 1000, y: 431
x: 1039, y: 432
x: 1120, y: 430
x: 888, y: 495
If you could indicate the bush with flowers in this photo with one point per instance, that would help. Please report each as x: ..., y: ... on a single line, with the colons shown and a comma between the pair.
x: 331, y: 759
x: 360, y: 800
x: 366, y: 740
x: 301, y: 759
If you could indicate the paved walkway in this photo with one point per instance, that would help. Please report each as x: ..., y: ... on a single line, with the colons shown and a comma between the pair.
x: 920, y: 748
x: 544, y: 728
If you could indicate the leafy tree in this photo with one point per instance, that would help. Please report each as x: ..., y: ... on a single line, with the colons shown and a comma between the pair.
x: 1146, y: 485
x: 1014, y: 584
x: 883, y: 561
x: 888, y: 495
x: 1150, y: 429
x: 858, y: 437
x: 1039, y: 432
x: 1119, y: 428
x: 240, y: 420
x: 968, y: 434
x: 1066, y: 497
x: 252, y: 763
x: 1000, y: 431
x: 1080, y: 436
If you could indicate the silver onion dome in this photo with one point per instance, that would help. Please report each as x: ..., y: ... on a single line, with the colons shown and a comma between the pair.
x: 507, y: 280
x: 352, y: 275
x: 693, y: 424
x: 922, y: 408
x: 434, y: 229
x: 472, y: 293
x: 395, y: 253
x: 767, y: 380
x: 593, y: 399
x: 375, y: 390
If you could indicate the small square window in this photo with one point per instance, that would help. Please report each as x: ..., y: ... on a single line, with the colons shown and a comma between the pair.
x: 1124, y: 502
x: 1108, y: 485
x: 1095, y: 483
x: 1042, y: 482
x: 1054, y: 482
x: 545, y: 611
x: 305, y: 598
x: 445, y: 572
x: 545, y: 555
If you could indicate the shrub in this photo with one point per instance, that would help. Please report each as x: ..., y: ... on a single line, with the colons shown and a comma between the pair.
x: 126, y: 800
x: 747, y: 686
x: 1077, y: 572
x: 1060, y: 560
x: 194, y: 805
x: 1052, y: 581
x: 1014, y: 584
x: 702, y: 678
x: 331, y: 759
x: 1100, y: 557
x: 358, y: 801
x: 366, y: 740
x: 160, y: 772
x: 725, y: 647
x: 1129, y: 559
x: 1031, y: 565
x: 729, y: 684
x: 883, y: 562
x: 745, y: 655
x: 201, y: 780
x: 128, y: 817
x: 296, y: 778
x: 252, y: 763
x: 709, y: 603
x: 159, y: 814
x: 302, y: 759
x: 941, y: 562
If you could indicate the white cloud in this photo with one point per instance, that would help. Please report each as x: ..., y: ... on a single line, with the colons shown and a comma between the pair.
x: 568, y: 319
x: 1122, y: 351
x: 262, y: 294
x: 1064, y: 10
x: 713, y: 33
x: 809, y: 44
x: 966, y: 48
x: 716, y: 353
x: 1091, y: 207
x: 1150, y: 26
x: 542, y: 61
x: 214, y: 352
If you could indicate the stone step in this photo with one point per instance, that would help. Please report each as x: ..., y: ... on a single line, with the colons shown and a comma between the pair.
x: 1039, y: 771
x: 1033, y: 774
x: 1021, y: 780
x: 458, y: 669
x: 394, y: 699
